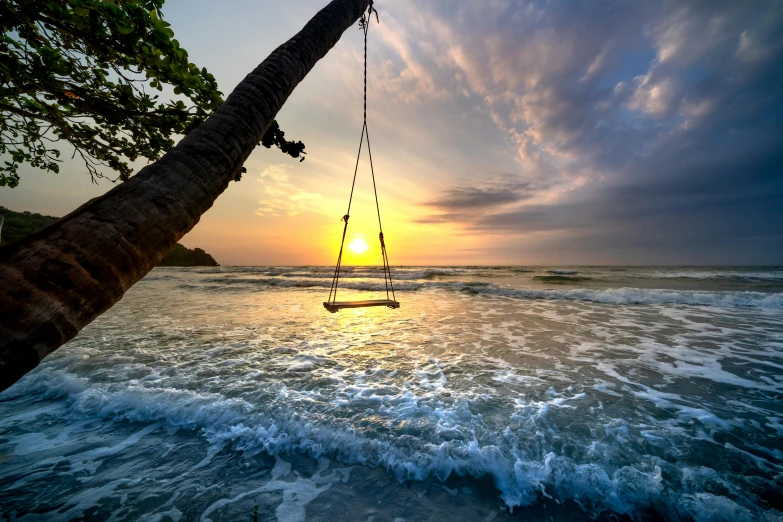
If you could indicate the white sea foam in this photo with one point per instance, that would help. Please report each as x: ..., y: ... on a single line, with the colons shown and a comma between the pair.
x: 643, y: 296
x: 614, y: 296
x: 552, y: 394
x: 296, y: 495
x: 225, y: 421
x: 732, y: 275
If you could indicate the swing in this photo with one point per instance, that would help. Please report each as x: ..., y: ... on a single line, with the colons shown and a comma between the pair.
x: 332, y: 304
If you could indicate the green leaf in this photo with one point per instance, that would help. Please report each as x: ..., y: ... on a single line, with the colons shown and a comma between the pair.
x: 125, y: 29
x: 59, y: 65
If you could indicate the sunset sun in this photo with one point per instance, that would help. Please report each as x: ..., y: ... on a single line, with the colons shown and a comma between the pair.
x: 358, y: 246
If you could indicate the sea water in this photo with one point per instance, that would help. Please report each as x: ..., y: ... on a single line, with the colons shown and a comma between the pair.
x: 493, y: 393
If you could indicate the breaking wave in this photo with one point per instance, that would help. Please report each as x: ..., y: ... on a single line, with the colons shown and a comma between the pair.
x: 235, y: 423
x: 738, y: 276
x: 614, y: 296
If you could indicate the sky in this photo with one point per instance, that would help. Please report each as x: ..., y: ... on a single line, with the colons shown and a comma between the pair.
x: 504, y: 132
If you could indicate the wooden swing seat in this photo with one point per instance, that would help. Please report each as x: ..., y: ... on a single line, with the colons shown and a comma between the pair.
x: 336, y: 306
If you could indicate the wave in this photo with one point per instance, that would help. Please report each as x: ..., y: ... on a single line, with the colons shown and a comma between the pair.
x: 351, y: 272
x: 612, y: 296
x: 563, y: 271
x: 740, y: 276
x: 644, y: 296
x: 562, y: 279
x: 403, y: 274
x: 521, y: 480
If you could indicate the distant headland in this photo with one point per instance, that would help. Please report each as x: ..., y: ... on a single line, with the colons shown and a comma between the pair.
x: 183, y: 256
x: 19, y: 224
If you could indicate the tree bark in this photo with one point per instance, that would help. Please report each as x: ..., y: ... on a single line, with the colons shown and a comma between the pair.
x: 56, y: 281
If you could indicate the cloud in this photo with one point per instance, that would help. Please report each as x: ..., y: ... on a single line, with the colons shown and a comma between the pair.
x: 621, y: 116
x: 488, y: 195
x: 467, y: 203
x: 473, y: 197
x: 282, y: 198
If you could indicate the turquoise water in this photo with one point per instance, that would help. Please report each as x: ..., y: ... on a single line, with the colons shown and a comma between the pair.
x: 493, y: 393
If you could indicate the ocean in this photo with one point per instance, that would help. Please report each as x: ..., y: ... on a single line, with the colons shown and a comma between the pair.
x: 493, y: 393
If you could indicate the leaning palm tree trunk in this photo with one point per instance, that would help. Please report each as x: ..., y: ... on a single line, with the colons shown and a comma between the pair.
x: 56, y: 281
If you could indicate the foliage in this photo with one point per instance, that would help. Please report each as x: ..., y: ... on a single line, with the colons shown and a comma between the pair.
x: 89, y: 72
x: 183, y: 256
x: 20, y: 224
x: 275, y: 136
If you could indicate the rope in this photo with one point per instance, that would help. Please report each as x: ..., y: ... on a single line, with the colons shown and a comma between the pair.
x: 364, y: 24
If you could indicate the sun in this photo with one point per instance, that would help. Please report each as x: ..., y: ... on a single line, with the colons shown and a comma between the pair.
x: 358, y: 246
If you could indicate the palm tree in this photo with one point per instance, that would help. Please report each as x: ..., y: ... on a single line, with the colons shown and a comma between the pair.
x: 56, y: 281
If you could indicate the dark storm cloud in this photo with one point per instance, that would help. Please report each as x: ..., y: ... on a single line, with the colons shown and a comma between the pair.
x: 468, y: 203
x: 656, y: 119
x: 484, y: 197
x: 472, y: 197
